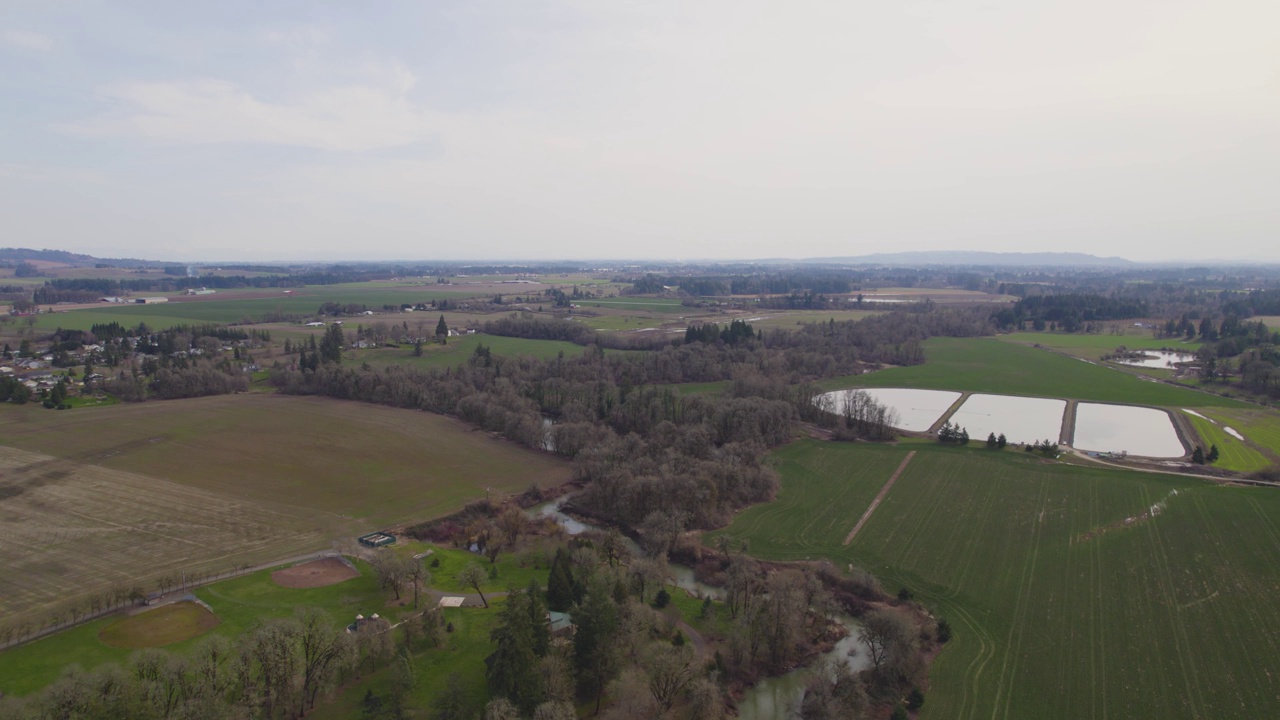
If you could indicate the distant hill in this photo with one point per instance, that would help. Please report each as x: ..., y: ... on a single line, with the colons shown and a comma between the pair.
x: 974, y: 257
x: 70, y: 258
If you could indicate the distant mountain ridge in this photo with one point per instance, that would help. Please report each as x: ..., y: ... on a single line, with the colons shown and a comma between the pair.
x: 978, y: 257
x: 70, y: 258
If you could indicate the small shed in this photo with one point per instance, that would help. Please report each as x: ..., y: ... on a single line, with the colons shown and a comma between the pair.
x: 377, y: 539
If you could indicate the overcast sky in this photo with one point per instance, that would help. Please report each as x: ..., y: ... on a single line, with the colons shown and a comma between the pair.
x: 657, y: 129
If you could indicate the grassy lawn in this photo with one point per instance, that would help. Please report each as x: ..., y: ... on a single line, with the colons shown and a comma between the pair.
x: 1233, y: 454
x: 163, y: 626
x: 994, y: 366
x: 1051, y: 593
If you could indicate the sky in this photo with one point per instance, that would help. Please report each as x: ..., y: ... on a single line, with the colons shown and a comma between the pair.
x: 662, y: 129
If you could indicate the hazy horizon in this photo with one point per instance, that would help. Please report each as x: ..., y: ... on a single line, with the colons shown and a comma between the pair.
x: 618, y: 131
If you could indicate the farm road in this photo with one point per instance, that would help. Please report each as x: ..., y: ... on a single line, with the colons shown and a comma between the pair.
x: 880, y: 496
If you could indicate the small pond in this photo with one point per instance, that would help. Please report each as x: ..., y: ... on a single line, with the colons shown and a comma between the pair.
x: 1122, y: 428
x: 917, y: 410
x: 1158, y: 359
x: 1021, y: 419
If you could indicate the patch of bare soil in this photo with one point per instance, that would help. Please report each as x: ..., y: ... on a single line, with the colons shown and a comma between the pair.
x: 314, y: 574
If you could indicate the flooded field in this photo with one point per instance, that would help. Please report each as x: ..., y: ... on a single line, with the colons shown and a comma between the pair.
x: 917, y: 409
x: 1122, y: 428
x: 1021, y: 419
x: 1158, y: 359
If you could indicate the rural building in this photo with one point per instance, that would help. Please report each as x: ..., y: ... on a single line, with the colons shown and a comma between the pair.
x: 201, y: 291
x: 151, y: 300
x: 559, y: 622
x: 112, y: 299
x: 377, y: 539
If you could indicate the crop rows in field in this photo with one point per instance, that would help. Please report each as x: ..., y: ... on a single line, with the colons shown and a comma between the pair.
x: 73, y: 530
x: 96, y: 497
x: 1115, y: 594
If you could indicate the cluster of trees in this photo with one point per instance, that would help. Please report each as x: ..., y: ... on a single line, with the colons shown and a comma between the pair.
x: 12, y: 390
x: 735, y: 332
x: 997, y: 443
x: 279, y: 669
x: 953, y: 433
x: 1044, y: 447
x: 1069, y: 312
x: 860, y: 415
x: 1200, y: 457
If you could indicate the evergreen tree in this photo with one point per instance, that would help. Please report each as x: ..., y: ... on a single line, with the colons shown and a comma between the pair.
x: 1213, y: 454
x: 991, y: 441
x: 442, y: 330
x: 594, y: 650
x: 560, y: 583
x: 1197, y: 457
x: 512, y: 669
x: 331, y: 345
x: 1001, y: 441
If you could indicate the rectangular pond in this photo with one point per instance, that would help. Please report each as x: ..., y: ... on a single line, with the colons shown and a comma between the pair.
x: 1020, y: 419
x: 917, y: 409
x: 1123, y: 428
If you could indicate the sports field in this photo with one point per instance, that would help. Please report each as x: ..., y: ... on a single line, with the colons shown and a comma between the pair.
x: 993, y: 366
x: 1074, y: 592
x: 98, y: 497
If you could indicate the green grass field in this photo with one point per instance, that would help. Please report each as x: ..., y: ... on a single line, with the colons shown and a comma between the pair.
x: 1061, y: 608
x: 1099, y: 341
x: 993, y: 366
x: 1232, y: 453
x: 165, y: 625
x: 647, y: 304
x: 1262, y: 427
x: 460, y: 349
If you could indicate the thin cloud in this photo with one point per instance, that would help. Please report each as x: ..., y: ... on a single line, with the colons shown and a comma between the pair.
x: 27, y: 40
x: 351, y: 118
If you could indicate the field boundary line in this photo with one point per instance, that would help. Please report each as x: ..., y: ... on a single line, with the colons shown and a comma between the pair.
x: 880, y: 496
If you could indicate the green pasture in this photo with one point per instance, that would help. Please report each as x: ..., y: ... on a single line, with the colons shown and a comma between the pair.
x: 621, y: 322
x: 460, y: 349
x: 1232, y: 453
x: 1259, y: 426
x: 234, y: 308
x: 993, y: 366
x: 1068, y: 599
x: 1141, y: 340
x: 648, y: 304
